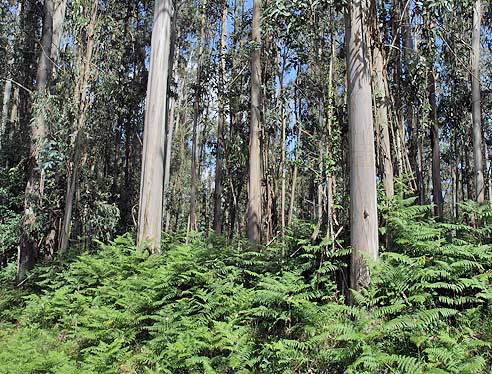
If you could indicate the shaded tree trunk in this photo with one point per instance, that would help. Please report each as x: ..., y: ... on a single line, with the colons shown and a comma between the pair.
x: 219, y: 163
x: 150, y: 210
x: 363, y: 199
x: 58, y: 22
x: 28, y: 248
x: 381, y: 100
x: 476, y: 111
x: 436, y: 151
x: 196, y: 115
x: 80, y: 97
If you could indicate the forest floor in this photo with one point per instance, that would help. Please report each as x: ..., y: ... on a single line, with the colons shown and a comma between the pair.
x: 209, y: 305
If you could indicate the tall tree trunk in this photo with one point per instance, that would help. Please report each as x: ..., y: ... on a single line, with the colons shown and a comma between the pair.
x: 219, y: 163
x: 381, y: 111
x: 476, y: 111
x: 58, y: 21
x: 171, y: 121
x: 254, y: 198
x: 80, y: 98
x: 297, y: 106
x: 283, y: 145
x: 28, y: 248
x: 150, y: 210
x: 196, y: 115
x: 363, y: 198
x: 436, y: 151
x: 7, y: 89
x: 330, y: 178
x: 7, y: 92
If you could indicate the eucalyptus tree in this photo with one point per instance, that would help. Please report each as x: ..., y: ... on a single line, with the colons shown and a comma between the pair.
x: 254, y: 183
x: 86, y: 40
x: 197, y: 108
x: 219, y: 163
x: 476, y: 103
x: 33, y: 198
x: 150, y: 208
x: 363, y: 204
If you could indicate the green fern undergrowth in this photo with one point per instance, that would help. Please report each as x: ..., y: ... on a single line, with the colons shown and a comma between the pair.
x: 209, y: 305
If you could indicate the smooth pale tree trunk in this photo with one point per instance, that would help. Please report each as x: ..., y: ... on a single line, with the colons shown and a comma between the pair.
x: 196, y: 115
x: 436, y: 151
x: 330, y: 178
x: 28, y: 248
x: 7, y: 89
x: 80, y: 98
x: 58, y: 22
x: 7, y: 93
x: 363, y: 198
x: 171, y: 122
x: 254, y: 183
x: 151, y: 183
x: 219, y: 162
x: 381, y: 111
x: 476, y: 102
x: 14, y: 114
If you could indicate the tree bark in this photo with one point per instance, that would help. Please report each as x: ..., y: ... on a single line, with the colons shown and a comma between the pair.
x: 151, y: 184
x: 196, y: 115
x: 436, y: 151
x: 58, y: 21
x: 7, y: 89
x: 254, y: 199
x: 381, y: 111
x: 476, y: 111
x: 80, y: 98
x: 219, y: 162
x: 7, y: 92
x: 363, y: 198
x: 28, y: 248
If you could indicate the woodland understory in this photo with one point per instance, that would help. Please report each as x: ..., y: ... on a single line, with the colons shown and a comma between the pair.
x: 245, y: 186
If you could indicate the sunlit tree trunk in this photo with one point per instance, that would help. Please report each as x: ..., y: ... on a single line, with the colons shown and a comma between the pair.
x: 254, y: 198
x: 363, y: 199
x: 150, y: 210
x: 476, y: 110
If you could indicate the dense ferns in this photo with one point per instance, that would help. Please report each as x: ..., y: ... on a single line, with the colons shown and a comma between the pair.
x: 207, y: 305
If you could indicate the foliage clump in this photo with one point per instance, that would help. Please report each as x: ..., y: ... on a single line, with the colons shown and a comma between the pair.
x: 208, y: 305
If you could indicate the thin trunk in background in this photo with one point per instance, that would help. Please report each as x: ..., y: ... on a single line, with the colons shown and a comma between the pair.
x: 171, y: 119
x: 476, y: 110
x: 196, y: 116
x: 254, y: 198
x: 81, y: 102
x: 381, y: 100
x: 436, y: 150
x: 219, y: 163
x: 58, y: 22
